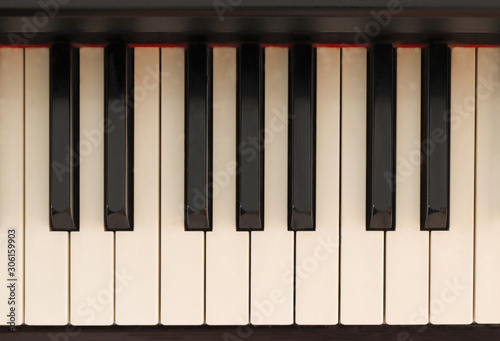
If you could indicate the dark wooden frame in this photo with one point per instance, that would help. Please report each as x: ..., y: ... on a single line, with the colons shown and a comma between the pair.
x: 264, y: 21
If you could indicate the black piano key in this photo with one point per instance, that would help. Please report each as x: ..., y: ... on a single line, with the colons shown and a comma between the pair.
x: 198, y: 138
x: 119, y: 141
x: 250, y: 128
x: 301, y: 138
x: 435, y: 144
x: 381, y: 137
x: 64, y: 130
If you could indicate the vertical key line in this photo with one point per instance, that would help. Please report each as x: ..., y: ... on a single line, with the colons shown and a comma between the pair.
x: 384, y: 295
x: 75, y: 135
x: 424, y: 75
x: 475, y: 198
x: 69, y: 277
x: 238, y: 131
x: 209, y: 135
x: 114, y: 253
x: 294, y: 273
x: 208, y: 171
x: 290, y: 148
x: 249, y: 277
x: 340, y: 184
x: 290, y: 198
x: 394, y: 138
x: 160, y: 81
x: 394, y: 158
x: 314, y: 128
x: 205, y: 278
x: 313, y: 133
x: 24, y: 185
x: 114, y: 277
x: 262, y: 105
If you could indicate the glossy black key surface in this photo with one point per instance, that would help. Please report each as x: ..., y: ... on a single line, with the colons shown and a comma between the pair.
x: 435, y: 144
x: 198, y: 138
x: 250, y: 139
x: 381, y: 138
x: 119, y: 137
x: 64, y: 130
x: 301, y: 138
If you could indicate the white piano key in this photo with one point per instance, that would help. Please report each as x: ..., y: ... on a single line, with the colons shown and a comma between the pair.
x: 182, y: 253
x: 362, y: 252
x: 317, y: 252
x: 227, y: 256
x: 407, y: 248
x: 272, y: 250
x: 92, y: 289
x: 452, y: 252
x: 12, y: 182
x: 46, y: 252
x: 137, y: 251
x: 487, y: 278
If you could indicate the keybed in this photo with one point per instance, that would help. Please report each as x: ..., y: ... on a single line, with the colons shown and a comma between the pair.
x: 271, y: 185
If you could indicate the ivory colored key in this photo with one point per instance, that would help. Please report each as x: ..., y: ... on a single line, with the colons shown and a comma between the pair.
x: 272, y: 250
x: 12, y: 182
x: 487, y: 279
x: 137, y: 252
x: 317, y: 252
x: 407, y: 248
x: 46, y: 253
x: 452, y: 252
x: 362, y: 252
x: 92, y: 289
x: 227, y: 258
x: 182, y: 252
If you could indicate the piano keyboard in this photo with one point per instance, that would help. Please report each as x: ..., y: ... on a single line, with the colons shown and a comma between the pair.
x: 270, y: 185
